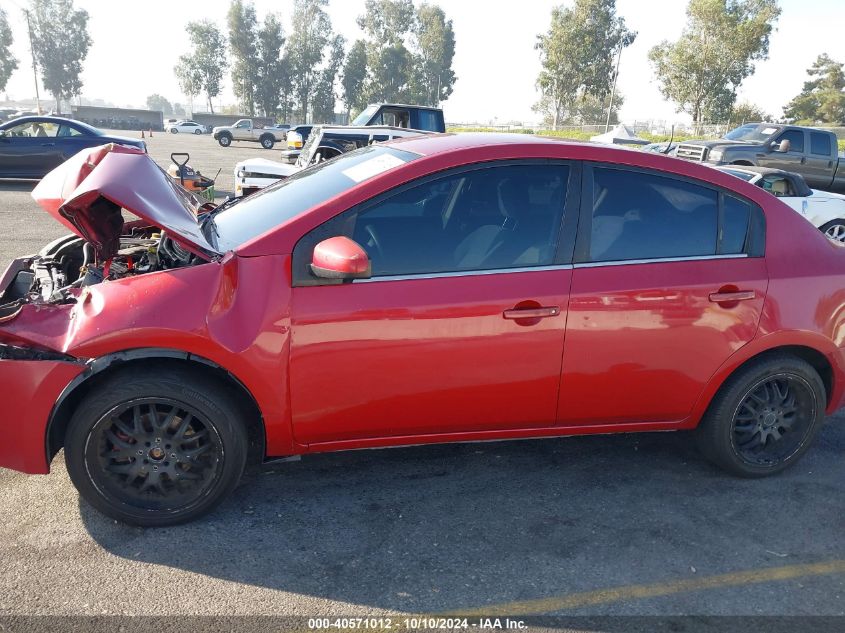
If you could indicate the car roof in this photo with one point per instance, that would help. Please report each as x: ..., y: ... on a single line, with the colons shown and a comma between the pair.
x: 43, y: 119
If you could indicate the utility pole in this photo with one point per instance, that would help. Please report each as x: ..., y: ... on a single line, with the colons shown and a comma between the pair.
x: 613, y: 90
x: 34, y: 65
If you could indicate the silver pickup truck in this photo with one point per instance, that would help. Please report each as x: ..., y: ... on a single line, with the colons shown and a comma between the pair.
x: 811, y: 152
x: 246, y: 130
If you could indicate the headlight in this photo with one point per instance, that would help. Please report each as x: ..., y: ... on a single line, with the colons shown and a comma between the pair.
x: 241, y: 173
x: 716, y: 154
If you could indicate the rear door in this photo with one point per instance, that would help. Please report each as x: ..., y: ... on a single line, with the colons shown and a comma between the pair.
x: 461, y: 326
x: 820, y: 163
x: 669, y: 281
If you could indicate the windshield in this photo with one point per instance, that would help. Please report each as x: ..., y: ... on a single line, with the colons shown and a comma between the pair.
x: 365, y: 116
x: 747, y: 176
x: 752, y: 132
x: 290, y: 197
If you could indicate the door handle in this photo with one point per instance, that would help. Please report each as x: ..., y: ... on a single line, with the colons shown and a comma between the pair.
x: 531, y: 313
x: 729, y: 297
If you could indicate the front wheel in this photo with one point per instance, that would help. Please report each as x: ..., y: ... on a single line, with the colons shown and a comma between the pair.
x: 764, y: 418
x: 156, y: 448
x: 835, y: 230
x: 225, y: 140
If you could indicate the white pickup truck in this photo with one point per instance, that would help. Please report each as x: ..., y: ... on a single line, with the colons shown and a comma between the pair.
x: 245, y: 130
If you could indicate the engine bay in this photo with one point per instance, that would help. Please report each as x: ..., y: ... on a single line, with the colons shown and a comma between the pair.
x: 68, y: 264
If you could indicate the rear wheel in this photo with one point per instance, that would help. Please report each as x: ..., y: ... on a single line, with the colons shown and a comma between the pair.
x: 156, y: 448
x: 764, y: 418
x: 197, y: 131
x: 173, y: 130
x: 835, y: 230
x: 267, y: 141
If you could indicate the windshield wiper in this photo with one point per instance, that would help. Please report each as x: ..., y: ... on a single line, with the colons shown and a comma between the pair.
x: 208, y: 218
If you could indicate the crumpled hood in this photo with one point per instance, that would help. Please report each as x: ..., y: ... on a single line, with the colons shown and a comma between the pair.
x: 82, y: 192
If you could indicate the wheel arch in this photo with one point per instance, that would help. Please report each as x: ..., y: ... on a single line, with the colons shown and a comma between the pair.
x: 819, y: 360
x: 103, y: 368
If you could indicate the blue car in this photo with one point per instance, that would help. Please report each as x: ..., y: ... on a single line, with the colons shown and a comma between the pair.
x: 31, y: 146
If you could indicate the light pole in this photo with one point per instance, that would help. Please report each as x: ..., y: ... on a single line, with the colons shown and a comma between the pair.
x: 613, y: 89
x: 34, y: 66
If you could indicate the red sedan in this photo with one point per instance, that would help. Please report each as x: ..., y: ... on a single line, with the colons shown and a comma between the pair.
x: 435, y: 289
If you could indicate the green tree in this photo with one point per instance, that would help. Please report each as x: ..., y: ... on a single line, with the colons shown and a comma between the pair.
x: 703, y: 69
x: 746, y: 112
x: 190, y: 81
x: 243, y: 36
x: 311, y: 33
x: 8, y: 63
x: 273, y: 76
x: 325, y: 96
x: 387, y: 21
x: 61, y: 42
x: 823, y: 98
x: 387, y: 24
x: 178, y: 110
x: 202, y: 69
x: 353, y: 76
x: 433, y: 78
x: 578, y: 54
x: 157, y: 102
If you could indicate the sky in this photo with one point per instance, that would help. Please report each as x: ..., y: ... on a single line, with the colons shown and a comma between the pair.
x: 136, y: 44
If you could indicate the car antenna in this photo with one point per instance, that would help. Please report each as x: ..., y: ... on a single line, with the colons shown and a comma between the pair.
x: 669, y: 144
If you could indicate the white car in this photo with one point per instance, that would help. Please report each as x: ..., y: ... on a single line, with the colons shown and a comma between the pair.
x: 826, y: 211
x: 185, y: 127
x: 323, y: 143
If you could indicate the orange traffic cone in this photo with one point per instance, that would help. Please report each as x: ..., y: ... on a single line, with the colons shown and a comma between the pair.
x: 142, y: 133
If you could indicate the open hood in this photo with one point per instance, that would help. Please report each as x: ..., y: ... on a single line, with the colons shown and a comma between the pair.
x: 87, y: 191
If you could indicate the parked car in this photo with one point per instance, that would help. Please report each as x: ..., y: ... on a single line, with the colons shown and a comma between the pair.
x: 168, y: 122
x: 806, y: 151
x: 826, y: 211
x: 32, y: 146
x: 185, y: 127
x: 324, y: 143
x: 246, y: 130
x: 431, y: 289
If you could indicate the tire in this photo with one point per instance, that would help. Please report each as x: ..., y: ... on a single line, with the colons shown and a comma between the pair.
x: 173, y: 130
x: 131, y: 449
x: 225, y: 140
x: 267, y: 141
x: 835, y: 230
x: 751, y: 429
x: 197, y: 131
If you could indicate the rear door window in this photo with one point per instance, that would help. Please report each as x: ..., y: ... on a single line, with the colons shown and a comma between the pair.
x: 820, y: 144
x: 636, y: 215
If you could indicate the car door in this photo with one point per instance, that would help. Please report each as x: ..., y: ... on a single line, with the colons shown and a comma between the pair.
x: 669, y: 281
x: 461, y: 326
x: 20, y: 151
x: 819, y: 165
x: 794, y: 159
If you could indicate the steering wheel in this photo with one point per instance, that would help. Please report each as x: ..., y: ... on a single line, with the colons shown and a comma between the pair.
x: 373, y: 240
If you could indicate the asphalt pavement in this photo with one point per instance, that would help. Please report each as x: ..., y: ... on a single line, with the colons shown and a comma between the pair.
x: 632, y: 525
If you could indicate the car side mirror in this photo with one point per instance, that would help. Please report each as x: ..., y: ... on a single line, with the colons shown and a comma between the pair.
x: 340, y: 258
x: 783, y: 147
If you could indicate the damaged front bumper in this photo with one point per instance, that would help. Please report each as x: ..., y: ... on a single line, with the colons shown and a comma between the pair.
x: 32, y: 382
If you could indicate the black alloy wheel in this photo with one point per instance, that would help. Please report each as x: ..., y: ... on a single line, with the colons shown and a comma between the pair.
x: 772, y: 421
x: 156, y: 448
x: 764, y: 417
